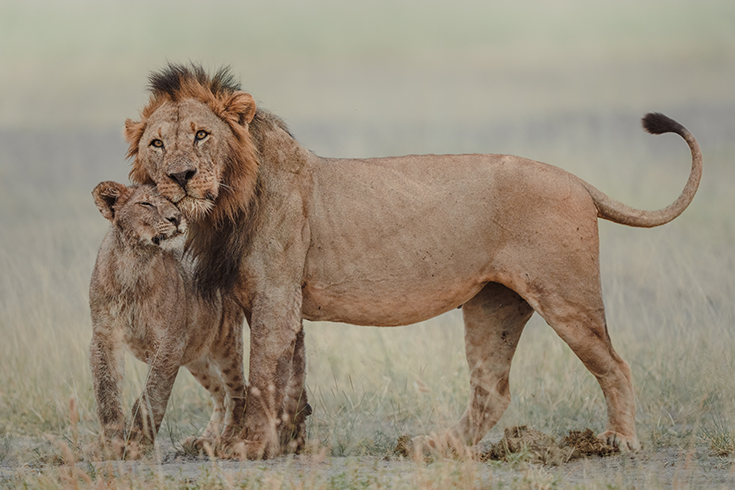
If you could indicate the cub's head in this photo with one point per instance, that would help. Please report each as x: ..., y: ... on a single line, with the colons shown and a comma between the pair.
x: 192, y: 142
x: 141, y: 215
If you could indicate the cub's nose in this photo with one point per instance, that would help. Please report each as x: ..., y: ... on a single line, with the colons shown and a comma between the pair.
x: 183, y: 177
x: 174, y: 218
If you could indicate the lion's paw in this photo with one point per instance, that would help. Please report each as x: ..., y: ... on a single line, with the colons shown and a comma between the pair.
x: 245, y: 449
x: 626, y: 444
x: 442, y: 446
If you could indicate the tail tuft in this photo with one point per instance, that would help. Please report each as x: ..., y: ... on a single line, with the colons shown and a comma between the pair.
x: 657, y: 123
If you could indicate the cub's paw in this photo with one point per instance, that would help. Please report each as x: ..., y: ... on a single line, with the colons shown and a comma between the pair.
x: 115, y: 449
x: 626, y: 444
x: 197, y: 445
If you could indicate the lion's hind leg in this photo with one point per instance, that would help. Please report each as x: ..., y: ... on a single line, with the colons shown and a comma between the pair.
x: 494, y: 320
x: 573, y: 308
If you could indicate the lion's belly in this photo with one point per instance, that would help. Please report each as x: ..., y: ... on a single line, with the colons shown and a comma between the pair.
x: 400, y: 240
x: 375, y: 304
x: 386, y: 262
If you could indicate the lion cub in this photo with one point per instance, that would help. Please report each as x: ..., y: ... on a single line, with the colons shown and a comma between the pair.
x: 142, y: 297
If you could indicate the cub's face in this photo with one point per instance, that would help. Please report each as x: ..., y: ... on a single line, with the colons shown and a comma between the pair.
x: 142, y: 215
x: 183, y: 149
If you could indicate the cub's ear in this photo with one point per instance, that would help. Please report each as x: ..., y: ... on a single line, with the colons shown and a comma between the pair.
x: 106, y: 195
x: 240, y: 107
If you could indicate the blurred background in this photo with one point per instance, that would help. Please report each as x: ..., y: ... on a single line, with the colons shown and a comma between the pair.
x: 561, y: 81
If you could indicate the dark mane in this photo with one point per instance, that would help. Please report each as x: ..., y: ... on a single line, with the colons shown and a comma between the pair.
x: 219, y: 247
x: 218, y: 242
x: 172, y: 80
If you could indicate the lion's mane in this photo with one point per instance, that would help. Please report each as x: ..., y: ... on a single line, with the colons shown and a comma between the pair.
x: 218, y: 241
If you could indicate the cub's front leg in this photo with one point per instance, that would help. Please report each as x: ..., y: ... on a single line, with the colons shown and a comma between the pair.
x: 149, y: 409
x: 107, y: 364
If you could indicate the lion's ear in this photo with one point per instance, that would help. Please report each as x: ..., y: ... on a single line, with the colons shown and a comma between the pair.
x: 241, y: 107
x: 106, y: 195
x: 132, y: 133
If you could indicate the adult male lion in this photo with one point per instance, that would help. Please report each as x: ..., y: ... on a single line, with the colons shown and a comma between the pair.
x: 383, y: 242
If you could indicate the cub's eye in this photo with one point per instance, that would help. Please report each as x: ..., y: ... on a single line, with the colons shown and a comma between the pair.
x: 157, y: 143
x: 146, y: 204
x: 201, y: 134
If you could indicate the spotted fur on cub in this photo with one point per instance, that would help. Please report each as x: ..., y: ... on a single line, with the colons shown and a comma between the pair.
x: 141, y: 297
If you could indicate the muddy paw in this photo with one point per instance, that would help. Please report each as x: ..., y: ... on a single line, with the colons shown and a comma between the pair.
x: 625, y: 444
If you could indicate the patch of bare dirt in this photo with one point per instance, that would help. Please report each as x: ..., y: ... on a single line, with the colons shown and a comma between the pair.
x: 533, y: 446
x: 542, y: 448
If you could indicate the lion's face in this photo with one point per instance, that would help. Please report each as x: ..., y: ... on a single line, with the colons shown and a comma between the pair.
x: 193, y: 143
x: 182, y: 149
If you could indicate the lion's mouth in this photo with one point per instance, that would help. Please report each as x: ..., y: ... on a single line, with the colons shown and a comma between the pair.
x: 196, y: 208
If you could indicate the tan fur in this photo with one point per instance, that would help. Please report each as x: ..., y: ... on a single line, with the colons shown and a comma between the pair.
x: 394, y: 241
x: 141, y: 297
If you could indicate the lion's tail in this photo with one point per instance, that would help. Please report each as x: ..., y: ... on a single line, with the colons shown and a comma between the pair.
x: 610, y: 209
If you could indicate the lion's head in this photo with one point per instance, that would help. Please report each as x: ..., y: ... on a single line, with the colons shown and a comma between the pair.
x: 192, y: 142
x: 196, y: 141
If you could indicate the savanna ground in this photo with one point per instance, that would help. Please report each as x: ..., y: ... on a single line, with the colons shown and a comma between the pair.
x: 563, y: 82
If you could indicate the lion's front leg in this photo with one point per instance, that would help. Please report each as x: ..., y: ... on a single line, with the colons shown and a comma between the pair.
x: 273, y: 333
x: 295, y: 404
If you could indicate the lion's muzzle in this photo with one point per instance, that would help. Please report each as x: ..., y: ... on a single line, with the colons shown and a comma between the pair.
x: 181, y: 170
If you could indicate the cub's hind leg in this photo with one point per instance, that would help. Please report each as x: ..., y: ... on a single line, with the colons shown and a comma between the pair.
x: 209, y: 377
x: 227, y: 355
x: 494, y: 320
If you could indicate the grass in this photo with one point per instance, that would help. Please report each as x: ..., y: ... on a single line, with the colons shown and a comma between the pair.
x: 667, y: 293
x: 564, y: 84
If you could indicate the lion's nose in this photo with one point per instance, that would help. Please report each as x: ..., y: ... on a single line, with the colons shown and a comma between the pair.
x: 183, y: 177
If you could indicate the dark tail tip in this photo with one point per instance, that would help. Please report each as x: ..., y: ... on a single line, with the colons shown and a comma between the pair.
x: 657, y: 123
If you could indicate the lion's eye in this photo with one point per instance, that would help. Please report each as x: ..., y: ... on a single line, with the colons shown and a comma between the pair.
x: 146, y: 204
x: 157, y: 143
x: 201, y: 134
